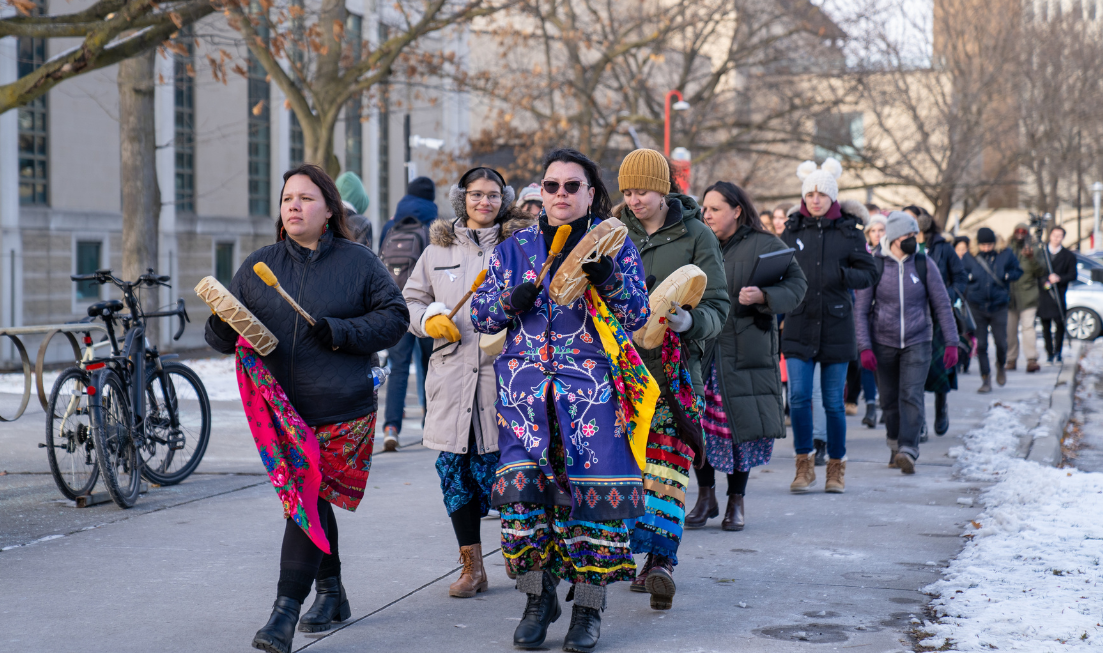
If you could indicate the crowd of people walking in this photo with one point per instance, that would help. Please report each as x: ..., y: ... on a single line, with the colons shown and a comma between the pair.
x: 550, y: 408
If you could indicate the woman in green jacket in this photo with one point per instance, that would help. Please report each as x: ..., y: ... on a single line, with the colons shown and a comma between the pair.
x: 744, y: 412
x: 667, y: 230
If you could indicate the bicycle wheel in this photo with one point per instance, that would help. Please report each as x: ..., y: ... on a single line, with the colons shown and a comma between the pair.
x: 178, y: 425
x: 69, y: 439
x: 115, y: 450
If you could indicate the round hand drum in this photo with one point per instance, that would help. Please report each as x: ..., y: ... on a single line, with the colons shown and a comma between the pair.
x: 570, y: 281
x: 234, y: 313
x: 684, y: 287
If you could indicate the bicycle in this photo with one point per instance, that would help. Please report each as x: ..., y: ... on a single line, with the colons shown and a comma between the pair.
x: 150, y: 417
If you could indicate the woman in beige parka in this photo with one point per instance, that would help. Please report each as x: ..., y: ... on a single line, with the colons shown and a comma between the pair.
x: 460, y: 387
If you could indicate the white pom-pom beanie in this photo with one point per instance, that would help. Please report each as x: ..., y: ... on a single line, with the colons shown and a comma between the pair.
x: 824, y: 179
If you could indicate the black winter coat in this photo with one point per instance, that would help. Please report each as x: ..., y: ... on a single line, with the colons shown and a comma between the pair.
x: 345, y: 284
x: 832, y: 254
x: 1064, y: 266
x: 941, y: 252
x: 984, y: 292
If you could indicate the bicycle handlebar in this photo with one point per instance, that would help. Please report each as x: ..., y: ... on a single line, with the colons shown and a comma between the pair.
x: 180, y: 312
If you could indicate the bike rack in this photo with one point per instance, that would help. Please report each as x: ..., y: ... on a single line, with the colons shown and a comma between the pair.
x: 51, y: 330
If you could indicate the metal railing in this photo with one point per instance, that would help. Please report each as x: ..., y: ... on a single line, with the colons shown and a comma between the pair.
x: 50, y: 330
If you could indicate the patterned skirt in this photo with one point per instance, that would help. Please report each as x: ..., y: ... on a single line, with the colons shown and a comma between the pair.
x: 665, y: 479
x: 466, y: 476
x: 536, y: 535
x: 725, y: 455
x: 346, y: 460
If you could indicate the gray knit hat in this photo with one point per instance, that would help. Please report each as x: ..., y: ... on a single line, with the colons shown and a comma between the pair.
x: 899, y: 224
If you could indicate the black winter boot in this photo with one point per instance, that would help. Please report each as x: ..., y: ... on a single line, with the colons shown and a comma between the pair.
x: 331, y: 606
x: 870, y: 419
x: 941, y: 415
x: 277, y: 634
x: 540, y: 611
x: 821, y: 452
x: 589, y: 601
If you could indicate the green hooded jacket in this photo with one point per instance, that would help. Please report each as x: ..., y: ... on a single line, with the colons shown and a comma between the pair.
x: 1024, y: 292
x: 682, y: 240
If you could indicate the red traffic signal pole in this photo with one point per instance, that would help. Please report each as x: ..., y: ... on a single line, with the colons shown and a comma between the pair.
x: 666, y: 126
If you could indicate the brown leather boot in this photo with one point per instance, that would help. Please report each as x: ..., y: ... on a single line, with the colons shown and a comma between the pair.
x: 733, y: 515
x: 806, y: 473
x: 1032, y: 365
x: 1011, y: 365
x: 705, y: 509
x: 836, y: 470
x: 985, y: 384
x: 1001, y: 374
x: 473, y: 578
x: 639, y: 583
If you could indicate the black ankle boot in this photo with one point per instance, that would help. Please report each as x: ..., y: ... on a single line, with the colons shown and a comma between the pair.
x: 585, y: 630
x: 870, y: 419
x: 331, y: 606
x: 277, y: 634
x: 540, y: 611
x: 821, y: 452
x: 941, y: 415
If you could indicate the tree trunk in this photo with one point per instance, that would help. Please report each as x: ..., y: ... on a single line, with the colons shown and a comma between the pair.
x: 141, y: 194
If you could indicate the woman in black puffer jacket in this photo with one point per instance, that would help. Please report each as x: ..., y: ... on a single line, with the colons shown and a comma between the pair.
x: 325, y: 372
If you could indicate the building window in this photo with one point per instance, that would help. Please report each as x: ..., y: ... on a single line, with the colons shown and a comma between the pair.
x: 224, y: 263
x: 89, y: 257
x: 184, y: 92
x: 298, y: 151
x: 260, y: 140
x: 354, y: 132
x: 33, y: 121
x: 839, y: 135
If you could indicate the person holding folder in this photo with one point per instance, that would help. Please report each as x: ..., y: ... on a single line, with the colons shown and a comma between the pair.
x: 744, y: 412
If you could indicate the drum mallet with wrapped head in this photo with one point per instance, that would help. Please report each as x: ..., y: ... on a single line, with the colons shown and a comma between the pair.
x: 479, y: 279
x: 561, y: 236
x: 266, y: 275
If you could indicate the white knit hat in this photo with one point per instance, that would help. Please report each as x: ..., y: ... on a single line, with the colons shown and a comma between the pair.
x: 823, y: 179
x: 530, y: 193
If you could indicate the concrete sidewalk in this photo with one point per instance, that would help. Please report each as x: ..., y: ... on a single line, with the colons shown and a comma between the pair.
x: 194, y: 567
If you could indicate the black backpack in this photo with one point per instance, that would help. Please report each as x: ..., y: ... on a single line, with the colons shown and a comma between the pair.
x: 402, y: 247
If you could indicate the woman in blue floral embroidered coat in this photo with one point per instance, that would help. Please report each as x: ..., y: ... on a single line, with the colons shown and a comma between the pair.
x: 567, y: 477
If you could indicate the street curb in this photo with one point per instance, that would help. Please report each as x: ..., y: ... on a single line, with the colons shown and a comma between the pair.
x: 1045, y: 446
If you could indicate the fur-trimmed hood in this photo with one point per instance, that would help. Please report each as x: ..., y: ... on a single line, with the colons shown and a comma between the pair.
x: 443, y: 231
x: 457, y: 197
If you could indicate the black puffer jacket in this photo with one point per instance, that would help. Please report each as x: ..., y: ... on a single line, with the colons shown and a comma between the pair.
x: 347, y: 285
x: 832, y: 254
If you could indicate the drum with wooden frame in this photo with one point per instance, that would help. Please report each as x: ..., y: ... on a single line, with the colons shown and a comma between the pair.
x: 684, y: 287
x: 570, y: 281
x: 234, y: 313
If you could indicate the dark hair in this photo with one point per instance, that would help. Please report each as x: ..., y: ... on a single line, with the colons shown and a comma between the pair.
x: 735, y: 196
x: 337, y: 222
x: 482, y: 173
x: 674, y: 186
x: 601, y: 206
x: 913, y: 209
x: 962, y: 239
x: 873, y: 208
x: 1057, y: 226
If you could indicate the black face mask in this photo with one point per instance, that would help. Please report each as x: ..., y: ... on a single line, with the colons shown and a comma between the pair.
x: 908, y: 246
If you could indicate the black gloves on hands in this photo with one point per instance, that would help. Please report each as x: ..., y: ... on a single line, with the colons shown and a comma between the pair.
x: 221, y: 329
x: 523, y: 297
x: 599, y: 271
x: 322, y: 332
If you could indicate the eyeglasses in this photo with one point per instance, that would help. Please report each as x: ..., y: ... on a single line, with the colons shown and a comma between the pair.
x: 478, y: 196
x: 552, y: 187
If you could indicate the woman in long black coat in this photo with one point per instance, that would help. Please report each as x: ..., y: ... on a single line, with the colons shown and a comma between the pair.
x: 1052, y: 310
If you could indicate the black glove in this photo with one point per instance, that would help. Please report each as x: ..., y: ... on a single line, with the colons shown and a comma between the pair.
x: 522, y: 298
x: 222, y: 330
x: 649, y: 282
x: 599, y: 271
x: 322, y: 332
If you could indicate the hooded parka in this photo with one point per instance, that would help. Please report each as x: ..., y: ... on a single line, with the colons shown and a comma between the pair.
x: 1024, y: 290
x: 832, y: 253
x: 746, y: 355
x: 683, y: 239
x: 461, y: 384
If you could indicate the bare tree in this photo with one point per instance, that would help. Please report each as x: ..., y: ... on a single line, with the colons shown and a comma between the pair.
x: 319, y: 68
x: 111, y: 31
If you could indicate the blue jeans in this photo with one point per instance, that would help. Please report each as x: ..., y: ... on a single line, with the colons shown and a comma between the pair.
x: 819, y: 417
x: 832, y: 384
x: 869, y: 386
x: 398, y: 359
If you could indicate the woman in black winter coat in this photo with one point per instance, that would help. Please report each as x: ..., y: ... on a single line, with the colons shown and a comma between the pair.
x: 1051, y: 311
x: 325, y: 372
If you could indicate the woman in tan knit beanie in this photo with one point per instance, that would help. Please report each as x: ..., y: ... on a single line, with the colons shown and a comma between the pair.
x: 667, y: 229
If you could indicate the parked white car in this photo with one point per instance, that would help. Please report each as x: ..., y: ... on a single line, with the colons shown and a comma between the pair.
x: 1084, y: 300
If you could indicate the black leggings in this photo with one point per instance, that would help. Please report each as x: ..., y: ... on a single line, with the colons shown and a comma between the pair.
x: 1059, y: 339
x: 737, y: 481
x: 467, y: 520
x: 301, y: 561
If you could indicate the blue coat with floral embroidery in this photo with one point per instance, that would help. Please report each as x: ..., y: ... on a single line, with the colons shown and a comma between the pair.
x: 553, y: 363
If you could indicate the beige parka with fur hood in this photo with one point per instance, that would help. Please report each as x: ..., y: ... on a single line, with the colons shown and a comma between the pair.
x: 460, y: 388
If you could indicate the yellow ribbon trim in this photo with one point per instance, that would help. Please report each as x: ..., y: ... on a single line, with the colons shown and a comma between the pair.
x: 669, y: 474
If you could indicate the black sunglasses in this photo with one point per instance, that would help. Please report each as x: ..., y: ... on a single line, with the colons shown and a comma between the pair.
x: 552, y: 187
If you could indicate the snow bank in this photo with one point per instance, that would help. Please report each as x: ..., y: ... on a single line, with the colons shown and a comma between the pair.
x: 218, y: 375
x: 1030, y: 577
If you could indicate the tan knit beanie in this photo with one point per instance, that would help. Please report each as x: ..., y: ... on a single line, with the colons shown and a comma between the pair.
x: 644, y: 170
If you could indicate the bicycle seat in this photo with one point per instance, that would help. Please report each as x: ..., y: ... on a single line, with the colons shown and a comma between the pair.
x: 108, y: 307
